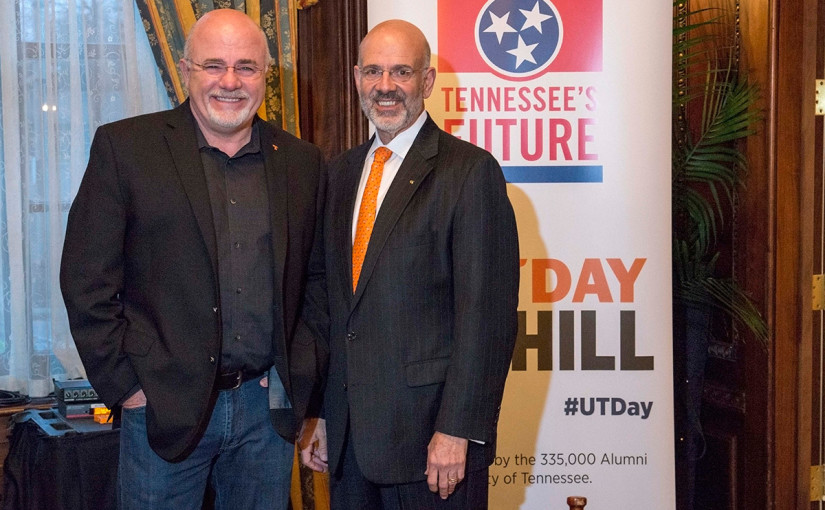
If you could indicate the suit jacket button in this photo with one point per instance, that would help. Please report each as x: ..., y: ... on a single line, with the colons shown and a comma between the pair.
x: 351, y: 336
x: 345, y: 386
x: 212, y: 359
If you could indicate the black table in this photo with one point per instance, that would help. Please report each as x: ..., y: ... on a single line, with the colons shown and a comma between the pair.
x: 60, y: 464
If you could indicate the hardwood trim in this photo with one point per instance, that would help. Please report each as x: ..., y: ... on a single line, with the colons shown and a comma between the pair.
x: 776, y: 256
x: 794, y: 177
x: 12, y: 410
x: 755, y: 254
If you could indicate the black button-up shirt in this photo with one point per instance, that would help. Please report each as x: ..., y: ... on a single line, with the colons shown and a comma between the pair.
x: 240, y: 211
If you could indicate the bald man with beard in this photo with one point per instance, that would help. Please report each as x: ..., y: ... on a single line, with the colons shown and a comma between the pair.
x: 186, y: 255
x: 422, y: 316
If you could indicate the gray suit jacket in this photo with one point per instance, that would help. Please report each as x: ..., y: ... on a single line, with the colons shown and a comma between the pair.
x: 425, y: 342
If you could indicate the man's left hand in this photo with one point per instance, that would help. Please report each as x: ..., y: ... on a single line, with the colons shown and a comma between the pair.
x: 446, y: 458
x: 312, y: 443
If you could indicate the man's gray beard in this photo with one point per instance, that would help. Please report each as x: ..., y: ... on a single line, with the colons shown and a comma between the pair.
x: 228, y: 120
x: 387, y: 125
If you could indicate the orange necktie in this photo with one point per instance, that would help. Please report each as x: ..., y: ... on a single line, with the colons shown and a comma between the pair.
x: 366, y: 213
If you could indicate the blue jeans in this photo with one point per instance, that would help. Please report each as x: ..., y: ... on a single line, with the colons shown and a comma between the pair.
x: 245, y: 461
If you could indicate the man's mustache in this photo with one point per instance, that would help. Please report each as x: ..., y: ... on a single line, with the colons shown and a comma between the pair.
x: 388, y: 96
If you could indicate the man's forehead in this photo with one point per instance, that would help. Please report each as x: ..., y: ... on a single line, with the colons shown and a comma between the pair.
x: 222, y: 60
x: 384, y: 55
x: 390, y: 48
x: 229, y: 54
x: 229, y: 42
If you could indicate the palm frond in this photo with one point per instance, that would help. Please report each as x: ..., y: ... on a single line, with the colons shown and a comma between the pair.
x: 713, y: 109
x: 696, y: 286
x: 708, y: 160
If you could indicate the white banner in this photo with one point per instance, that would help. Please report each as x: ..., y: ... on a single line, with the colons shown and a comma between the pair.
x: 573, y: 98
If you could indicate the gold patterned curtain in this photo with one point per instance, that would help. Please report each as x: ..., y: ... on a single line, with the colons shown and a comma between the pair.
x: 167, y: 23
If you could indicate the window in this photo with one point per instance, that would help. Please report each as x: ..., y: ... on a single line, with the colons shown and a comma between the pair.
x: 66, y: 67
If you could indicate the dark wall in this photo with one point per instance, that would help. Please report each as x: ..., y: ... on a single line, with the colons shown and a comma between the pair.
x: 328, y: 37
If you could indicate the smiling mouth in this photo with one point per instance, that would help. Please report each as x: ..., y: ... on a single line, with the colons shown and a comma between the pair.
x: 228, y: 99
x: 387, y: 100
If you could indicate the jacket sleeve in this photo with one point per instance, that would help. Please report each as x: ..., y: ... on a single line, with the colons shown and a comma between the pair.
x: 92, y: 273
x: 310, y: 347
x: 485, y: 263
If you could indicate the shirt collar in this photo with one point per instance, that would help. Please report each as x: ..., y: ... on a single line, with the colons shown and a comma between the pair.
x: 252, y: 147
x: 400, y: 145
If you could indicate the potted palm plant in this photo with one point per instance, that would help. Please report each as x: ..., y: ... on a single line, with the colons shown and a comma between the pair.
x: 713, y: 111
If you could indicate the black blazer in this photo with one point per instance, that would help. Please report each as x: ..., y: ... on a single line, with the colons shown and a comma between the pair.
x: 139, y: 269
x: 425, y: 342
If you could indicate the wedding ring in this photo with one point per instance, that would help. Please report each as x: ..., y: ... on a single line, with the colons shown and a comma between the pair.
x: 452, y: 481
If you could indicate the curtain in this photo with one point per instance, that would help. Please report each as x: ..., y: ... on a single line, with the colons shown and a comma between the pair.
x: 66, y: 67
x: 167, y: 22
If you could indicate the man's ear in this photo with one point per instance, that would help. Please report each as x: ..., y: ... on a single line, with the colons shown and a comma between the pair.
x: 429, y: 81
x: 356, y: 74
x: 183, y: 66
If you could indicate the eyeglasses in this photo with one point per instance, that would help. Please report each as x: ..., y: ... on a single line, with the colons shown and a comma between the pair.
x: 400, y: 74
x: 216, y: 69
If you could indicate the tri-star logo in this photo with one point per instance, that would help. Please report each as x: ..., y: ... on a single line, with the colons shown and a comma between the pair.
x: 519, y: 38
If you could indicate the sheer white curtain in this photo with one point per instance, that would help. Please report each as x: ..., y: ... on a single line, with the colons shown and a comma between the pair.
x: 66, y: 67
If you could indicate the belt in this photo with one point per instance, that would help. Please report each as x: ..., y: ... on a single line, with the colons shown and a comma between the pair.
x: 233, y: 380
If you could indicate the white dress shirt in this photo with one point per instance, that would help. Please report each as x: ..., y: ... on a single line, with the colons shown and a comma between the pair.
x: 400, y: 146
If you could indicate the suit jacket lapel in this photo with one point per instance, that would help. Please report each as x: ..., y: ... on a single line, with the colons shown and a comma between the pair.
x: 417, y: 164
x: 183, y: 145
x: 276, y: 181
x: 277, y: 188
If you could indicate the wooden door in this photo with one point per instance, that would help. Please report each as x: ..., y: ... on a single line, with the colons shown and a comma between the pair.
x: 757, y: 407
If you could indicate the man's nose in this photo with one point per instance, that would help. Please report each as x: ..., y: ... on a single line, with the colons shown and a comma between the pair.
x: 386, y: 83
x: 230, y: 80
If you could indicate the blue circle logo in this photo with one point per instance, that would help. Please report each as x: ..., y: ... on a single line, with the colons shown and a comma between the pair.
x: 518, y: 38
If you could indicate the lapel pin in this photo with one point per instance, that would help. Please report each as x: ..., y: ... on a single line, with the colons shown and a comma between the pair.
x: 412, y: 182
x: 274, y: 146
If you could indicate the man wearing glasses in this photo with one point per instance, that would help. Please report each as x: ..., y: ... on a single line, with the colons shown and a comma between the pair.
x: 186, y: 255
x: 422, y: 271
